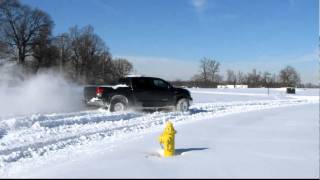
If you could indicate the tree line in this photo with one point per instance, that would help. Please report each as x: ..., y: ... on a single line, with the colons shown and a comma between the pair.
x: 26, y: 38
x: 209, y: 77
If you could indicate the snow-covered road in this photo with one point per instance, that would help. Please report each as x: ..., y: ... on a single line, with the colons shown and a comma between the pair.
x: 27, y: 138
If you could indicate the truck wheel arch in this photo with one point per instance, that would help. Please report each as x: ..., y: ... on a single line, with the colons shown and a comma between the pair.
x: 180, y: 97
x: 119, y: 97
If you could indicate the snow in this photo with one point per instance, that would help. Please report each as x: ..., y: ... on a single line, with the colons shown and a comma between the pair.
x: 228, y: 133
x: 110, y: 86
x: 119, y: 85
x: 134, y: 75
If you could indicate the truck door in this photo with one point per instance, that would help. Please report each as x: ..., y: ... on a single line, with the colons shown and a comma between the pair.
x: 142, y: 92
x: 163, y: 94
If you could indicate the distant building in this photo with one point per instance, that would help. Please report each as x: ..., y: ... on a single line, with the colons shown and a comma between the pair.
x: 232, y: 86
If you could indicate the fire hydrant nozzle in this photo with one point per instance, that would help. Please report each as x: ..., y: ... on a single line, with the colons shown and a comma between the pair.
x: 167, y: 139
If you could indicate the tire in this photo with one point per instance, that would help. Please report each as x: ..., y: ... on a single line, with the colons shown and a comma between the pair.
x: 182, y: 105
x: 118, y: 104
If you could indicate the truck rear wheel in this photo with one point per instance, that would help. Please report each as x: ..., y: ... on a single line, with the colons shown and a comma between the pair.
x: 182, y: 105
x: 118, y: 104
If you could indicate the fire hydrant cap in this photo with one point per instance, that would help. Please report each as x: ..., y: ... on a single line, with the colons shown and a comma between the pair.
x: 169, y: 129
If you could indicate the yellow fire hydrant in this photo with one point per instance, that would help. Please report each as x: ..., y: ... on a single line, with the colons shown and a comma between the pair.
x: 167, y: 139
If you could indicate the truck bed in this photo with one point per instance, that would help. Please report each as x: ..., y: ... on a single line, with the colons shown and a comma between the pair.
x: 90, y: 93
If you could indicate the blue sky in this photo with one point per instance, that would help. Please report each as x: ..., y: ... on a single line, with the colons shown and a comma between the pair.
x: 240, y: 34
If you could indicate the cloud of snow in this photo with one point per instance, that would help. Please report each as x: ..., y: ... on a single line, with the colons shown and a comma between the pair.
x: 47, y: 92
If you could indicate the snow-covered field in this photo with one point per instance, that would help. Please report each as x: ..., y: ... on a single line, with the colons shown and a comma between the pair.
x: 228, y: 133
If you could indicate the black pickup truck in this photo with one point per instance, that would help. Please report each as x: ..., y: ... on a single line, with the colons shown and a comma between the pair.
x: 138, y: 93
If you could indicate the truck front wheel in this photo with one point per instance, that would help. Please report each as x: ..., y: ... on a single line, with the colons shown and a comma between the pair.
x: 182, y: 105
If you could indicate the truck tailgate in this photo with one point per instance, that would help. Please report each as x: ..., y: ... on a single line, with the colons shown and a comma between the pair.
x: 89, y: 92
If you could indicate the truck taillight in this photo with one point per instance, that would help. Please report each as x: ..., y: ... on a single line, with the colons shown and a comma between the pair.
x: 99, y: 91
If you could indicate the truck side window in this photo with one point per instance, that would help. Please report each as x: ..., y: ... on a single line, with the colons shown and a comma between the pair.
x: 160, y: 84
x: 141, y: 84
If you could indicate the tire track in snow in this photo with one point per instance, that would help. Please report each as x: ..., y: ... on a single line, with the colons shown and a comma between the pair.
x: 49, y: 133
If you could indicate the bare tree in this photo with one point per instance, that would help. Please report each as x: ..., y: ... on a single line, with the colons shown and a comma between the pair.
x: 241, y: 77
x: 254, y: 78
x: 204, y: 70
x: 86, y: 58
x: 103, y: 69
x: 45, y: 53
x: 289, y: 77
x: 231, y: 77
x: 209, y: 69
x: 213, y: 67
x: 121, y: 67
x: 87, y: 48
x: 63, y: 44
x: 21, y: 26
